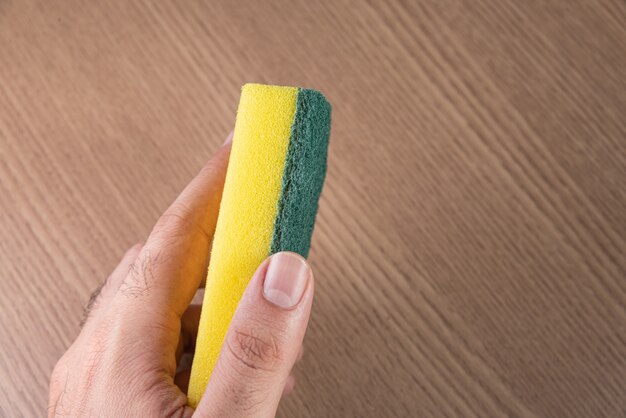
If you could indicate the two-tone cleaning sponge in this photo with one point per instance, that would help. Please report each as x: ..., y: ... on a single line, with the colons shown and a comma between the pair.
x: 275, y: 176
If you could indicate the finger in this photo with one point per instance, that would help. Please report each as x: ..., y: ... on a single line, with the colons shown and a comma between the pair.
x: 104, y: 293
x: 263, y: 340
x: 188, y: 331
x: 189, y: 326
x: 171, y: 265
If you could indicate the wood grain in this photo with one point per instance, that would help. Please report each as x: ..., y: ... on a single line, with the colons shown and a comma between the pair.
x: 470, y: 246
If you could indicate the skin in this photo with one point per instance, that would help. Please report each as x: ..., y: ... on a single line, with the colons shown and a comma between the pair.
x: 131, y: 356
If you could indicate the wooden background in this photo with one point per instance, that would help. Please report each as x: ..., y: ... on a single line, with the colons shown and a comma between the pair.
x: 470, y: 246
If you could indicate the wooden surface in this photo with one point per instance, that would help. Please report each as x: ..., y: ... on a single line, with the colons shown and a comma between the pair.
x: 470, y: 246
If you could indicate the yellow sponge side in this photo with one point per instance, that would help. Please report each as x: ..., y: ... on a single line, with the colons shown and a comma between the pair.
x: 246, y: 220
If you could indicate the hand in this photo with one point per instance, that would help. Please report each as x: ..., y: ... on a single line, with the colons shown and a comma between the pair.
x: 140, y: 324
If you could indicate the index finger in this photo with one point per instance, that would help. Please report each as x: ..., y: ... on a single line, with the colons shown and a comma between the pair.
x: 172, y: 263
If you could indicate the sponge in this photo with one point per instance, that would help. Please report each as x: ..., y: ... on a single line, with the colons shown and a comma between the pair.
x: 275, y: 176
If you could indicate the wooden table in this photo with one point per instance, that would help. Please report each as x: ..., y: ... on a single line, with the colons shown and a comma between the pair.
x: 470, y: 246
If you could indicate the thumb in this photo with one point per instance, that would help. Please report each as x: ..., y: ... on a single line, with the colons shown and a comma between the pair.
x: 262, y: 342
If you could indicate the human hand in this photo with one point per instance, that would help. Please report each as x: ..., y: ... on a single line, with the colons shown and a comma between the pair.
x: 126, y: 361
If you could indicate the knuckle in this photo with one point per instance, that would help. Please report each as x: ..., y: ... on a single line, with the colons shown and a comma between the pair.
x: 255, y: 348
x: 178, y: 221
x: 210, y: 168
x: 141, y: 276
x: 174, y: 220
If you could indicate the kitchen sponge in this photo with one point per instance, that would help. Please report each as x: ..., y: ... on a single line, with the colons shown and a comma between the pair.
x: 274, y: 179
